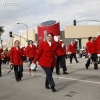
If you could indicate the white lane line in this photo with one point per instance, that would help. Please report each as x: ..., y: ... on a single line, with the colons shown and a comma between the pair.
x: 72, y: 79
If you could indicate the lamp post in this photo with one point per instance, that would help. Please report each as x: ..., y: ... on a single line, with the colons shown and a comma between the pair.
x: 26, y: 27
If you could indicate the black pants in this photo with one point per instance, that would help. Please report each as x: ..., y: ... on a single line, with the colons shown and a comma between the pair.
x: 61, y: 60
x: 0, y: 68
x: 49, y: 78
x: 18, y: 71
x: 71, y: 57
x: 24, y: 58
x: 5, y: 60
x: 30, y: 60
x: 8, y: 59
x: 2, y: 61
x: 94, y: 59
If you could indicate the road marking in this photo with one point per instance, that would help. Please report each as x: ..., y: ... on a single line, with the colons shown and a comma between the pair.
x: 72, y: 79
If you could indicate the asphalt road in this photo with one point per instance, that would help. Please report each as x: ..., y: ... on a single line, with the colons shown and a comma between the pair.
x: 79, y: 84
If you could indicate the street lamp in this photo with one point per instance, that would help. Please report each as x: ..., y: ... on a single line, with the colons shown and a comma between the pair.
x: 26, y: 27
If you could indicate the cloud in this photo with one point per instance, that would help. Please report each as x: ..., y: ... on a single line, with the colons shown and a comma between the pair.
x: 33, y: 12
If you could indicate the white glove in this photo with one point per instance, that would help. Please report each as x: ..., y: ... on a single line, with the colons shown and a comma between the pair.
x: 35, y: 44
x: 69, y: 53
x: 98, y: 55
x: 33, y: 66
x: 76, y: 40
x: 11, y: 63
x: 21, y: 47
x: 98, y: 33
x: 56, y: 38
x: 62, y: 45
x: 89, y: 54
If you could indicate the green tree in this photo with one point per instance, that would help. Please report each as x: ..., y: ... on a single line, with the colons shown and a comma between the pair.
x: 1, y: 32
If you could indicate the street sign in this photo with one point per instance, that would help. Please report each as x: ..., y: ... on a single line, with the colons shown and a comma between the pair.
x: 27, y: 40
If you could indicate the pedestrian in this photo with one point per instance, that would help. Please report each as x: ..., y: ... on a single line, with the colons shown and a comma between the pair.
x: 61, y: 56
x: 72, y: 50
x: 16, y: 60
x: 92, y: 53
x: 31, y: 52
x: 46, y: 57
x: 1, y: 50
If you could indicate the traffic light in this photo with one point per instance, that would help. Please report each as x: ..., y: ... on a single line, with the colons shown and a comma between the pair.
x: 10, y: 34
x: 74, y: 22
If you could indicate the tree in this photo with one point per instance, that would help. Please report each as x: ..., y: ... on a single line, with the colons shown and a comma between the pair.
x: 1, y: 32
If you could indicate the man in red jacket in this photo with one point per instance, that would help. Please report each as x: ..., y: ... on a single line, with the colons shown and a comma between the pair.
x: 72, y: 50
x: 1, y: 50
x: 61, y: 54
x: 92, y: 53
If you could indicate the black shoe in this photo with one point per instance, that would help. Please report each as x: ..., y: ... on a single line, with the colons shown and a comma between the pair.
x: 53, y: 89
x: 65, y: 73
x: 47, y: 87
x: 0, y: 75
x: 22, y: 75
x: 17, y: 80
x: 77, y: 62
x: 58, y: 73
x: 86, y: 66
x: 96, y: 68
x: 34, y: 70
x: 20, y: 79
x: 70, y: 62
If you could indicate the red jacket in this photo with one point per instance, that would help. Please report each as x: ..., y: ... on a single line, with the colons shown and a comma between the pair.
x: 62, y: 50
x: 31, y: 51
x: 98, y: 45
x: 46, y: 54
x: 91, y: 47
x: 24, y: 52
x: 16, y: 56
x: 1, y: 50
x: 71, y: 48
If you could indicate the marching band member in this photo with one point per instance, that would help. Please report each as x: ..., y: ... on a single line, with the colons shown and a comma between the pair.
x: 92, y: 53
x: 1, y: 50
x: 5, y: 54
x: 98, y: 48
x: 72, y: 50
x: 24, y: 54
x: 30, y: 51
x: 61, y: 54
x: 3, y: 57
x: 46, y: 56
x: 16, y: 60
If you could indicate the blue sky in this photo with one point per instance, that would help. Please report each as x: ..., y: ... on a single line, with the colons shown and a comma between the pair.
x: 33, y: 12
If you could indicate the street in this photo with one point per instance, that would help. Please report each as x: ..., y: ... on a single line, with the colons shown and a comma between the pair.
x: 79, y: 84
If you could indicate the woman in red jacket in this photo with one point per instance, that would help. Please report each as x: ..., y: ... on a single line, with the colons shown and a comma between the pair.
x: 46, y: 56
x: 24, y: 54
x: 72, y: 50
x: 16, y: 60
x: 30, y: 51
